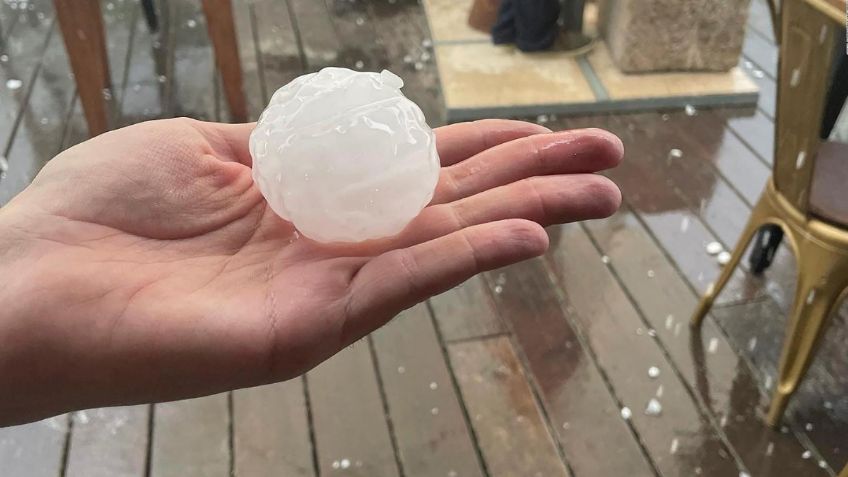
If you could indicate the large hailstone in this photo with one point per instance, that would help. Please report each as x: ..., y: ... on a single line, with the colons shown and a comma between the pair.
x: 344, y: 155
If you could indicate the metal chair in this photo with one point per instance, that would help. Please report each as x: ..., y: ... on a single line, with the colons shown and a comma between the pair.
x: 800, y: 198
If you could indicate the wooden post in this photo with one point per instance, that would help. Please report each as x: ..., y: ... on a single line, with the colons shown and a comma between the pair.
x: 81, y: 23
x: 222, y: 32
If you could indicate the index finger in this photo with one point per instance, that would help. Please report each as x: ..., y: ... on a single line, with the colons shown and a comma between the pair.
x: 458, y: 142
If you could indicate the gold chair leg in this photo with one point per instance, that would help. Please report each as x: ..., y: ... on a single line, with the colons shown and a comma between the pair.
x: 759, y: 216
x: 819, y: 289
x: 844, y: 472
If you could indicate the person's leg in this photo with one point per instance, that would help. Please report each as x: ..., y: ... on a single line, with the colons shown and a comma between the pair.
x: 572, y: 15
x: 504, y: 29
x: 536, y: 24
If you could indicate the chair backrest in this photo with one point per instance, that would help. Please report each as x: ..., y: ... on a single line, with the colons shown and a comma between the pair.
x: 807, y: 39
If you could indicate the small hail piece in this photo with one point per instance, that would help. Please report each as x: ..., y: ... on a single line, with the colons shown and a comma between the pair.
x: 653, y: 372
x: 713, y: 346
x: 654, y: 408
x: 675, y: 443
x: 714, y: 248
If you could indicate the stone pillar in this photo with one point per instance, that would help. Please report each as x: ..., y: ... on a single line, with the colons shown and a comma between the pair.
x: 674, y: 35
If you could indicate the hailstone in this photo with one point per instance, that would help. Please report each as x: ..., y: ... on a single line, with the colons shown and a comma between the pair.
x: 344, y: 155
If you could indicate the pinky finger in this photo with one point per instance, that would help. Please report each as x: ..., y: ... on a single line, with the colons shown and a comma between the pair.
x: 398, y: 279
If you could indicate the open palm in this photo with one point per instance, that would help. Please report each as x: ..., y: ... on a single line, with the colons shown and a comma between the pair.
x: 144, y: 265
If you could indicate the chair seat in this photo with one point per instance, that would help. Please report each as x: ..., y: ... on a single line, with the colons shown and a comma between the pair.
x: 829, y: 194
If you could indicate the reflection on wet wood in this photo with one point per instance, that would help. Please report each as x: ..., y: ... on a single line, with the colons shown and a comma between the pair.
x: 429, y: 424
x: 678, y: 436
x: 818, y: 408
x: 722, y: 380
x: 585, y: 417
x: 512, y: 434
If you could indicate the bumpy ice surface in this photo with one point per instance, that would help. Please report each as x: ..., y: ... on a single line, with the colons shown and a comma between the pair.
x: 344, y: 155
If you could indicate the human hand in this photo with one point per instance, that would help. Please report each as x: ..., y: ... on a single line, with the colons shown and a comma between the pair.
x: 144, y: 265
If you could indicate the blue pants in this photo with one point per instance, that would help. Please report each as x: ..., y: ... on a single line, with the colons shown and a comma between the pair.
x: 530, y: 24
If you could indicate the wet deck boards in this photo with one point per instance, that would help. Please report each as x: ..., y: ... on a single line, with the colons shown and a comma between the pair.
x: 520, y: 371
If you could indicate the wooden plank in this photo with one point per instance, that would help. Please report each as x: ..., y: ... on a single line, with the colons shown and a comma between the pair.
x: 767, y: 101
x: 361, y: 48
x: 402, y: 28
x: 761, y: 52
x: 43, y: 121
x: 738, y: 165
x: 584, y: 415
x: 320, y: 45
x: 702, y: 189
x: 720, y: 209
x: 348, y: 420
x: 719, y: 377
x: 81, y: 25
x: 669, y: 212
x: 510, y: 430
x: 271, y: 431
x: 695, y: 206
x: 756, y: 130
x: 466, y: 312
x: 193, y: 87
x: 8, y: 18
x: 39, y: 133
x: 277, y: 44
x: 249, y: 53
x: 148, y: 74
x: 609, y: 323
x: 429, y: 424
x: 24, y: 49
x: 759, y: 20
x: 221, y: 29
x: 109, y: 442
x: 191, y: 438
x: 33, y: 450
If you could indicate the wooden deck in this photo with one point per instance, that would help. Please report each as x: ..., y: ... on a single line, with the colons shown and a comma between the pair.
x: 523, y: 371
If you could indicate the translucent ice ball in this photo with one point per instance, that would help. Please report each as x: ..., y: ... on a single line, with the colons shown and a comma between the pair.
x: 344, y: 155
